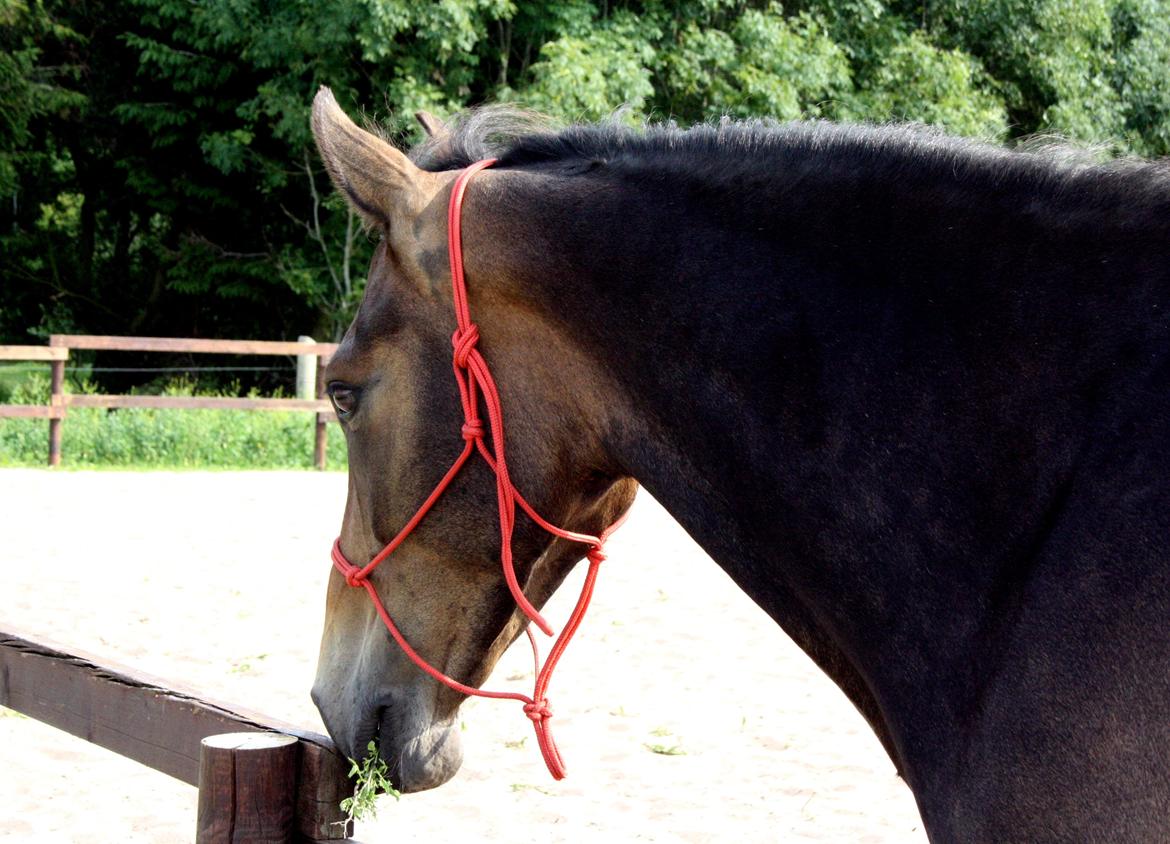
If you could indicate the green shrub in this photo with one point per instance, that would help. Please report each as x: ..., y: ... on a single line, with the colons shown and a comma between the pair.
x: 164, y: 439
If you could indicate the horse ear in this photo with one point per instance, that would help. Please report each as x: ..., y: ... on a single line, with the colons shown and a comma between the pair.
x: 374, y: 176
x: 435, y: 128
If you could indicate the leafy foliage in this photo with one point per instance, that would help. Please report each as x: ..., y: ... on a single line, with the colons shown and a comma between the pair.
x: 157, y: 174
x: 371, y: 778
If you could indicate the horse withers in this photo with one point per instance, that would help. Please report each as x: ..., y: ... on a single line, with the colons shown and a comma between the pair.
x: 912, y: 393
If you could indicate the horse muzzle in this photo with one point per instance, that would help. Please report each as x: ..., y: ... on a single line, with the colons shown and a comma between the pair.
x: 418, y: 759
x: 420, y: 752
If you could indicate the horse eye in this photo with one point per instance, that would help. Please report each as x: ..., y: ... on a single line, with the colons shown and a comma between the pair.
x: 345, y: 399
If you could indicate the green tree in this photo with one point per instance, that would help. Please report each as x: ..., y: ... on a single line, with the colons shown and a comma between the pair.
x: 157, y: 174
x: 759, y: 63
x: 1091, y: 70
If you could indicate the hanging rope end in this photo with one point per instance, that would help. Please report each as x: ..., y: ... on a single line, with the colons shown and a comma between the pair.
x: 539, y: 712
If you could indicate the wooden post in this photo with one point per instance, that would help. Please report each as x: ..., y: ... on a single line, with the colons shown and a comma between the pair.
x: 306, y: 372
x: 321, y: 438
x: 56, y: 399
x: 309, y: 386
x: 247, y: 789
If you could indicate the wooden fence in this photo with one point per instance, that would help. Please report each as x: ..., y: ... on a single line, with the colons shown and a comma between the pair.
x: 292, y: 798
x: 57, y: 353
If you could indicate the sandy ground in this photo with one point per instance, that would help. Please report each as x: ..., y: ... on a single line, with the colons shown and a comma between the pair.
x: 217, y: 581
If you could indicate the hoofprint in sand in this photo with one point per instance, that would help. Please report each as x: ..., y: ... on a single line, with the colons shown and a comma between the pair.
x: 684, y: 713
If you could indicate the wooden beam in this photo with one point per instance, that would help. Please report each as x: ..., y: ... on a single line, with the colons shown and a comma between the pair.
x: 197, y: 402
x: 31, y: 411
x: 190, y: 344
x: 33, y: 353
x: 144, y: 719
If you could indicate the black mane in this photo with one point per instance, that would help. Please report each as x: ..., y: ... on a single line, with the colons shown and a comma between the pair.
x: 733, y: 152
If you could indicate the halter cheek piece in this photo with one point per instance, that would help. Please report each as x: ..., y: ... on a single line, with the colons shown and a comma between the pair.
x: 474, y: 378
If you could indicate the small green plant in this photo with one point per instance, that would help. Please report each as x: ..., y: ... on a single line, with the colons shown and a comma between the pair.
x: 664, y: 750
x: 370, y: 780
x: 243, y: 666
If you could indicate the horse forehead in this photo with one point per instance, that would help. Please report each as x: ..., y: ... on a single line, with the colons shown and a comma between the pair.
x: 408, y: 272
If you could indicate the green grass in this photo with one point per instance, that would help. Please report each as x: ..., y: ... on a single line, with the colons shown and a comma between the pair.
x: 13, y: 376
x: 143, y: 438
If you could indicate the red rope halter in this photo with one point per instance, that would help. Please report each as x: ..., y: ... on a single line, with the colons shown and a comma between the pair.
x: 475, y: 379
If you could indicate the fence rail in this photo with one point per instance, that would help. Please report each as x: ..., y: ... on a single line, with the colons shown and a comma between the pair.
x: 101, y: 342
x: 32, y: 353
x: 307, y: 352
x: 145, y: 719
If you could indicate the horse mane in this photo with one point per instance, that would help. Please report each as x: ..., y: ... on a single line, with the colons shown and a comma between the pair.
x: 733, y: 153
x: 484, y: 132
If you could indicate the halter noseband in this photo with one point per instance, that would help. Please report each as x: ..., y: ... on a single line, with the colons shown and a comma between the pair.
x: 474, y: 378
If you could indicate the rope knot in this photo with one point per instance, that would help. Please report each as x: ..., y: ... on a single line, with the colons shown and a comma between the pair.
x: 354, y: 577
x: 473, y: 429
x: 538, y: 711
x: 464, y: 341
x: 597, y: 554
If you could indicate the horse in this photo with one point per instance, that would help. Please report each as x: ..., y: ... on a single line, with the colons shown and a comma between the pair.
x: 911, y: 392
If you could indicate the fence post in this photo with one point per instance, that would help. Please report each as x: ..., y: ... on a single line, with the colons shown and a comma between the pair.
x: 57, y: 402
x: 306, y: 371
x: 247, y: 788
x: 321, y: 439
x: 309, y: 386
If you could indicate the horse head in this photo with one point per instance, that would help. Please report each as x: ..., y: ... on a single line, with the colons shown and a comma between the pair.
x: 392, y: 386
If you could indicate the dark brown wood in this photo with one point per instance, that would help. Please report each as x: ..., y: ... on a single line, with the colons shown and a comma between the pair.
x: 33, y: 353
x: 156, y: 724
x: 247, y: 789
x: 56, y: 400
x: 324, y: 783
x: 191, y: 345
x: 31, y: 411
x: 196, y: 402
x: 321, y: 429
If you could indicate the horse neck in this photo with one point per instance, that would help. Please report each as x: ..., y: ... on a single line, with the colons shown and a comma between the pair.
x: 837, y: 389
